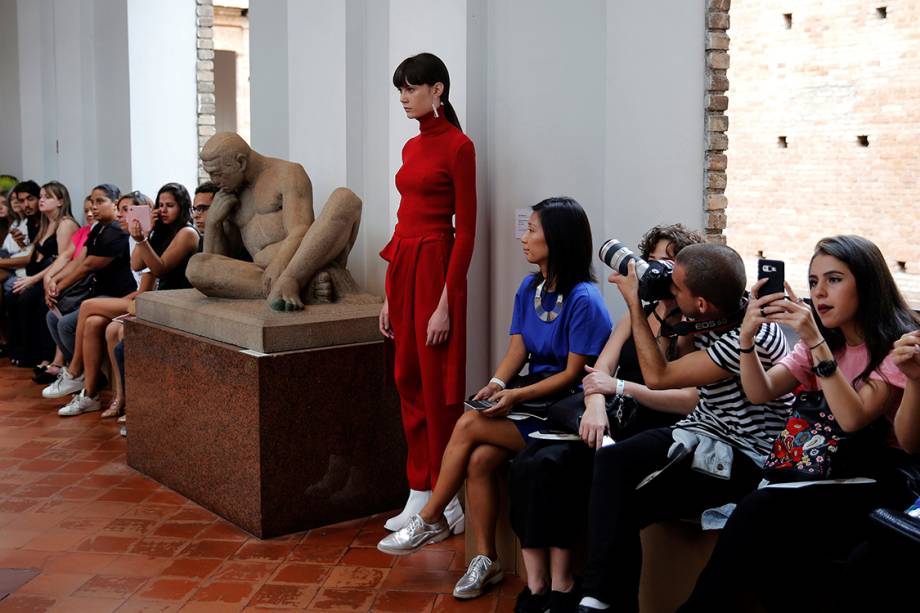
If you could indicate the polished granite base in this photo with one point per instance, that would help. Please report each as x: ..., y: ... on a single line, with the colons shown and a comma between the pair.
x: 274, y: 443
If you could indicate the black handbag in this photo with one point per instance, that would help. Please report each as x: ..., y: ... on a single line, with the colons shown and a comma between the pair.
x: 70, y: 299
x: 567, y: 413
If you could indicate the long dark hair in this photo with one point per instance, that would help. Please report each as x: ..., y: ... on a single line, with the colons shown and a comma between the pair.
x: 163, y: 233
x: 883, y: 315
x: 567, y: 232
x: 427, y: 69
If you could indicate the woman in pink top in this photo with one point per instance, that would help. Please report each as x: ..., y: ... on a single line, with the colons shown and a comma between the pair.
x: 793, y: 538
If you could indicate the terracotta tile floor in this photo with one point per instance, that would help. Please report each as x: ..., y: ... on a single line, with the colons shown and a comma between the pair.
x: 106, y: 538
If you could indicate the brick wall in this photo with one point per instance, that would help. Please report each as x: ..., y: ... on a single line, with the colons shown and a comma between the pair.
x: 839, y: 71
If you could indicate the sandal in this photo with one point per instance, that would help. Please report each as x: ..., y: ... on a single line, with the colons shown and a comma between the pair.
x: 116, y: 409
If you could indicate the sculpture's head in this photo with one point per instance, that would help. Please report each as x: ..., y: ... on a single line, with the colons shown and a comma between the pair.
x: 225, y: 157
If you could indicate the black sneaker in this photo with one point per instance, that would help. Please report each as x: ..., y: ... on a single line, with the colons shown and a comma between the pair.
x: 531, y: 603
x: 44, y: 378
x: 563, y: 602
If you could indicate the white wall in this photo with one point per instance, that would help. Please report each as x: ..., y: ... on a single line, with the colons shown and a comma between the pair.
x: 595, y: 99
x: 161, y: 55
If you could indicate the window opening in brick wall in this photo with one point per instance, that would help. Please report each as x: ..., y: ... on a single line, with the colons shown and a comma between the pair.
x: 902, y: 266
x: 781, y: 142
x: 863, y: 140
x: 882, y: 12
x: 787, y: 19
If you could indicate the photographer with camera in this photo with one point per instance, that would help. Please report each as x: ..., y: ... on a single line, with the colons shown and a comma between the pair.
x: 712, y: 457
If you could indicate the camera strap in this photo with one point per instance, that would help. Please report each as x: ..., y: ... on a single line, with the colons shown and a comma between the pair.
x: 700, y: 326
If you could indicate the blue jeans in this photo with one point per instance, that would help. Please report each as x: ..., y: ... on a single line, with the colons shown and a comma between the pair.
x: 64, y: 331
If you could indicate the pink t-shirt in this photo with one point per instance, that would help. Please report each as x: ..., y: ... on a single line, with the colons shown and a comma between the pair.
x: 79, y: 238
x: 850, y: 362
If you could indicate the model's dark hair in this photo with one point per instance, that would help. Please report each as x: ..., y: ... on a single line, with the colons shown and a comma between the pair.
x: 882, y: 315
x: 676, y: 234
x: 111, y: 191
x: 427, y: 69
x: 714, y: 272
x: 29, y: 187
x: 162, y: 233
x: 208, y: 187
x: 567, y: 232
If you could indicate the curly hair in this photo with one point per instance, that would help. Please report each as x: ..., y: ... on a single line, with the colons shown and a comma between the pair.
x: 676, y: 234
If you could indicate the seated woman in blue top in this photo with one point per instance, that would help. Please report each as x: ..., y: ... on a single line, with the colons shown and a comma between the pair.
x: 559, y: 325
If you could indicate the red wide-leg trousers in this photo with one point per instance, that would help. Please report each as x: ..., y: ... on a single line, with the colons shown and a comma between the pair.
x: 429, y: 379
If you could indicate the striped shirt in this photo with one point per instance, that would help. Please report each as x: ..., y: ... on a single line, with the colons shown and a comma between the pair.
x: 724, y: 411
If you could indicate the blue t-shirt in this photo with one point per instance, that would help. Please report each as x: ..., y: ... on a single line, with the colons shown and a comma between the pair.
x: 581, y: 327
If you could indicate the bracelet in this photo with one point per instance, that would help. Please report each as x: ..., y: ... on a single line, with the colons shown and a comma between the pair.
x: 621, y: 386
x: 748, y: 350
x: 498, y: 382
x: 816, y: 345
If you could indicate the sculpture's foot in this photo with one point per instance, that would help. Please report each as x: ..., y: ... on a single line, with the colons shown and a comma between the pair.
x: 285, y: 295
x: 322, y: 291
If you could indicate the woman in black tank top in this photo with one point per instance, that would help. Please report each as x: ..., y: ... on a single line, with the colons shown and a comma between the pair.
x: 166, y: 250
x: 31, y: 343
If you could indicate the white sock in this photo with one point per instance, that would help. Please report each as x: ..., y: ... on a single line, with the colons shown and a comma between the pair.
x: 594, y: 603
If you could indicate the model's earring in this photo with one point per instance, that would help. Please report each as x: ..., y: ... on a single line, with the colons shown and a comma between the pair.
x: 434, y: 106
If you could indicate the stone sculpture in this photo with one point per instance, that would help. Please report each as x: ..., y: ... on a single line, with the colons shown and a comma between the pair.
x: 261, y: 237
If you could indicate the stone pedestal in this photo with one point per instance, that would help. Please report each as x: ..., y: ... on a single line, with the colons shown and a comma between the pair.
x: 274, y: 443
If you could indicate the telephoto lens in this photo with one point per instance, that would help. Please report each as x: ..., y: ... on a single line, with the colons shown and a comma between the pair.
x: 617, y: 255
x: 654, y: 277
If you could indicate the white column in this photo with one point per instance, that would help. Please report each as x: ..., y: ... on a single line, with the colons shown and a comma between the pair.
x: 654, y: 137
x: 162, y: 55
x: 10, y: 108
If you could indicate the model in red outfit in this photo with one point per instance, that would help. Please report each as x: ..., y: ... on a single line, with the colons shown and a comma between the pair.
x: 425, y: 308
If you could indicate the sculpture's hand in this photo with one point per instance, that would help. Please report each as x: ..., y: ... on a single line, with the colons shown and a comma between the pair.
x: 271, y: 274
x: 285, y: 295
x: 222, y: 207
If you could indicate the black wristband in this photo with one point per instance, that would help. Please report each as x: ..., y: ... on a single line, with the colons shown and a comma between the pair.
x: 748, y: 350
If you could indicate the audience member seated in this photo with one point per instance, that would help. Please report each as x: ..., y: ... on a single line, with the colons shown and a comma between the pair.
x: 46, y: 373
x: 105, y: 256
x: 204, y: 195
x: 713, y: 456
x: 907, y: 421
x: 550, y: 528
x: 172, y: 242
x: 5, y: 219
x: 559, y: 325
x: 31, y: 343
x: 845, y: 352
x: 18, y: 244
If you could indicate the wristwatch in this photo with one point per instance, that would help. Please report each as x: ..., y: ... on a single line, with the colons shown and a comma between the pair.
x: 825, y: 368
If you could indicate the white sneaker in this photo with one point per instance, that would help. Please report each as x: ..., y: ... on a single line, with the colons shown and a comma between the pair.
x: 80, y: 403
x: 454, y: 516
x: 65, y: 385
x: 417, y: 500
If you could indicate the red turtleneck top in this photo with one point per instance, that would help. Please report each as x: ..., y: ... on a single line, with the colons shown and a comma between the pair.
x: 437, y: 181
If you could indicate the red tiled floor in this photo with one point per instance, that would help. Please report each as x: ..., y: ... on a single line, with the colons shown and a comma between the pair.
x: 108, y: 538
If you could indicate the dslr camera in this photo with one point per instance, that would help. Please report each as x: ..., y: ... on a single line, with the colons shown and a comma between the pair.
x: 654, y: 277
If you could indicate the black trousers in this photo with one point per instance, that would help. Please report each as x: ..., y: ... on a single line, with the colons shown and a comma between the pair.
x: 29, y: 338
x: 618, y: 511
x: 550, y: 483
x: 790, y: 549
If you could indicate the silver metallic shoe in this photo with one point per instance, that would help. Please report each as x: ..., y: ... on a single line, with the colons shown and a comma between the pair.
x: 482, y: 573
x: 415, y: 534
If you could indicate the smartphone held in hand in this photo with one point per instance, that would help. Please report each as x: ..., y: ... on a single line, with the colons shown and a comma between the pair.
x: 774, y: 272
x: 143, y: 215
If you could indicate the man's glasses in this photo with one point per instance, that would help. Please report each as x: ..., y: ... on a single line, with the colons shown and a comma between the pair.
x: 201, y: 208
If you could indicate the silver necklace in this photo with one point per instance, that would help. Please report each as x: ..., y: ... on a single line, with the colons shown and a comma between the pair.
x: 542, y: 313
